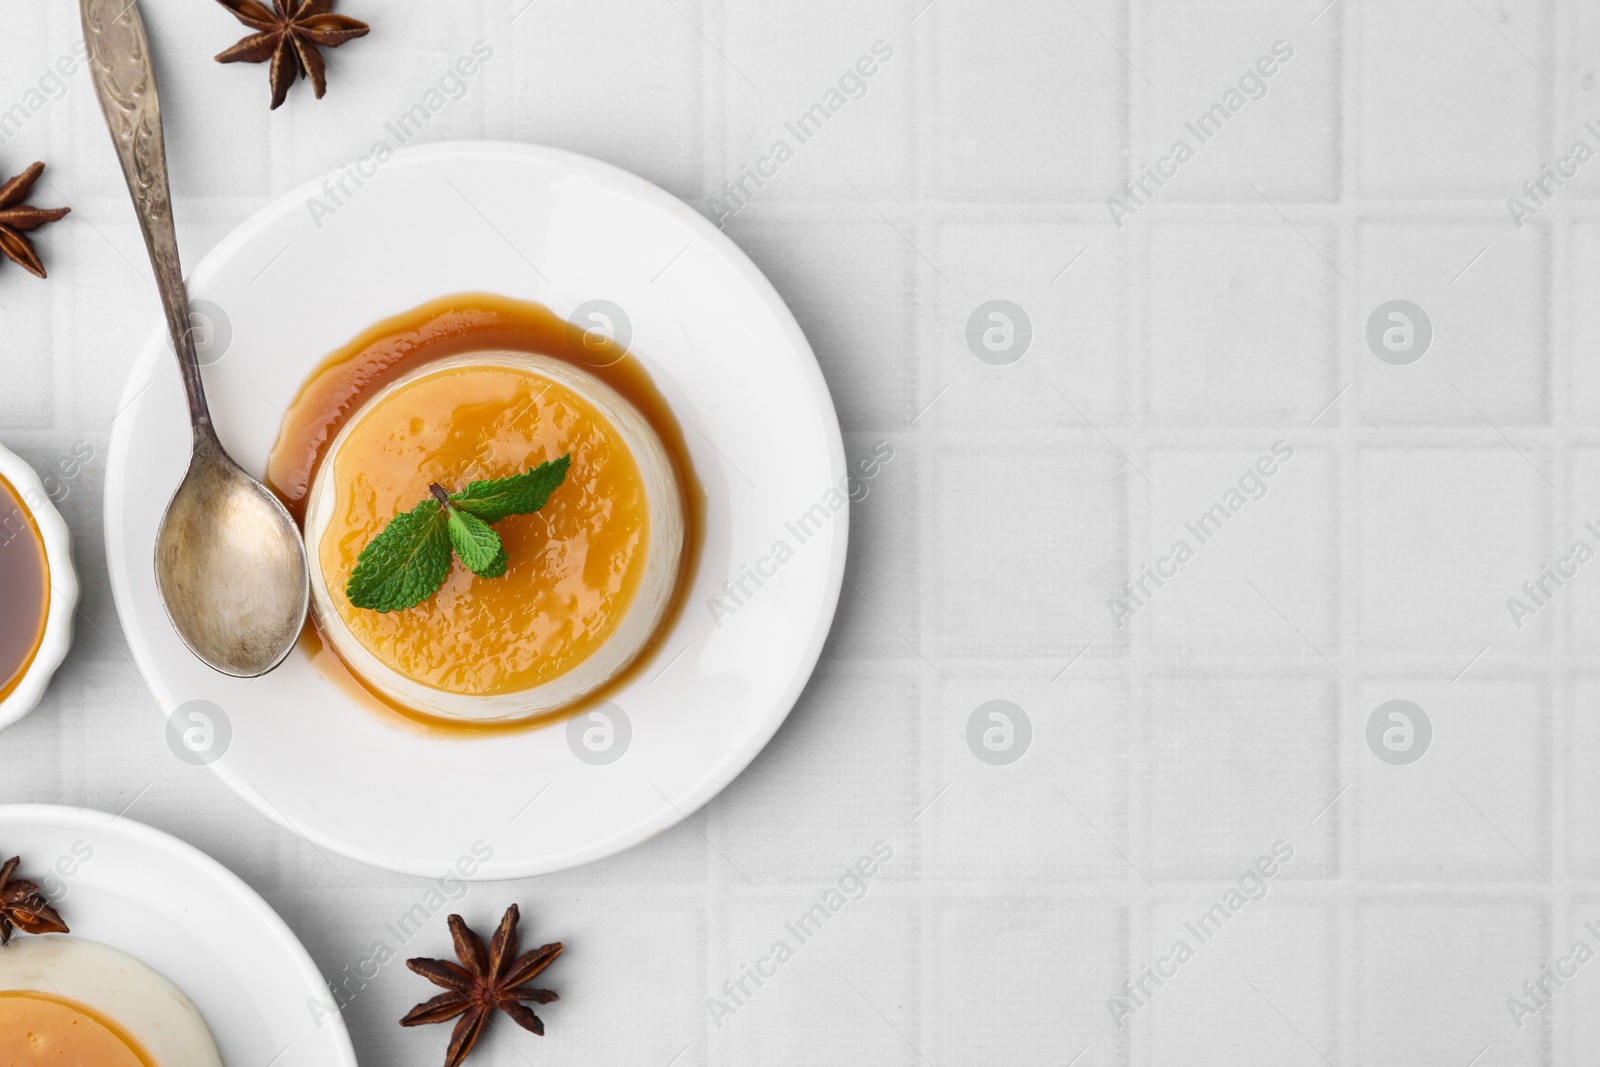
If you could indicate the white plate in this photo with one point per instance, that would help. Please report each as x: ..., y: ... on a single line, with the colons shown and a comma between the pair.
x: 293, y: 284
x: 188, y: 917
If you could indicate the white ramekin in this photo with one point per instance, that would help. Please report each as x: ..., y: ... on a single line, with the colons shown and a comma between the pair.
x: 63, y: 588
x: 644, y: 614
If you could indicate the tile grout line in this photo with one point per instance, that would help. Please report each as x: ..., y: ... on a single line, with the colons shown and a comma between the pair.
x: 1340, y: 24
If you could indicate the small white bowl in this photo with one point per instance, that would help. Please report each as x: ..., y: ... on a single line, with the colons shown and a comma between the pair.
x: 63, y: 589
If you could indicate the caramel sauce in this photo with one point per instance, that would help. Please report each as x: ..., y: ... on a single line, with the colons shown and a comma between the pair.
x: 24, y: 589
x: 42, y: 1030
x: 453, y: 325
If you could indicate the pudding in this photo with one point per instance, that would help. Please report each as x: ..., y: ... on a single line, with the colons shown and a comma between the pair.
x: 589, y: 576
x: 64, y: 1000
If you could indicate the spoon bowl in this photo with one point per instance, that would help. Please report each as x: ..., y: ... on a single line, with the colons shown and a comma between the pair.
x: 230, y: 562
x: 230, y: 568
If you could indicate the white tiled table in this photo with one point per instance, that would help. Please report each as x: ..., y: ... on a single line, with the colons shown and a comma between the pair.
x: 1230, y: 713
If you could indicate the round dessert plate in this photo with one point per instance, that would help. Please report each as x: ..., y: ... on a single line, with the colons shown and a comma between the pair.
x: 190, y: 919
x: 599, y: 247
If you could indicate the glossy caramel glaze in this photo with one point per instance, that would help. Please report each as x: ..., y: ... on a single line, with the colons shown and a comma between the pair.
x: 41, y: 1030
x: 574, y: 565
x: 454, y: 325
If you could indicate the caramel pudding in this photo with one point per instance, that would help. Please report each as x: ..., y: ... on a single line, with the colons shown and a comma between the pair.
x: 24, y: 590
x: 65, y: 1001
x: 340, y: 391
x: 589, y: 575
x: 38, y: 1028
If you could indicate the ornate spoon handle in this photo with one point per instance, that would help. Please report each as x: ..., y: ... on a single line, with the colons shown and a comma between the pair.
x: 125, y: 81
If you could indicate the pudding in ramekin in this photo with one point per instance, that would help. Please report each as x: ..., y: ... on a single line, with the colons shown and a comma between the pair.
x: 589, y: 577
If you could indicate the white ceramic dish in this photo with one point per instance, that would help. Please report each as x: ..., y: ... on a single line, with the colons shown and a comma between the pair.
x: 63, y: 589
x: 566, y: 231
x: 181, y: 913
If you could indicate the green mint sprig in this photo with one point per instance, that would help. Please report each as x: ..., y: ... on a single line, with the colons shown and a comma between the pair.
x: 410, y: 558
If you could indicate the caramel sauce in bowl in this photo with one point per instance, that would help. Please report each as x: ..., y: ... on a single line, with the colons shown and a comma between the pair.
x: 38, y: 588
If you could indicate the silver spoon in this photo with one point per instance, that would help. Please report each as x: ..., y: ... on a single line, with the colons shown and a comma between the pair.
x: 230, y: 562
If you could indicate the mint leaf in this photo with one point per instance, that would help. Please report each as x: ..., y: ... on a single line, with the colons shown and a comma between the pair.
x: 410, y: 558
x: 497, y: 566
x: 520, y: 494
x: 478, y: 546
x: 405, y: 564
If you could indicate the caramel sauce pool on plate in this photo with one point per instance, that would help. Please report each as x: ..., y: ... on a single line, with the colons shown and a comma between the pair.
x: 24, y: 589
x: 450, y: 326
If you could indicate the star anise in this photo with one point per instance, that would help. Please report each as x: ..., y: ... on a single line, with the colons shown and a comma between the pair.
x: 23, y: 904
x: 17, y: 218
x: 289, y: 34
x: 483, y: 983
